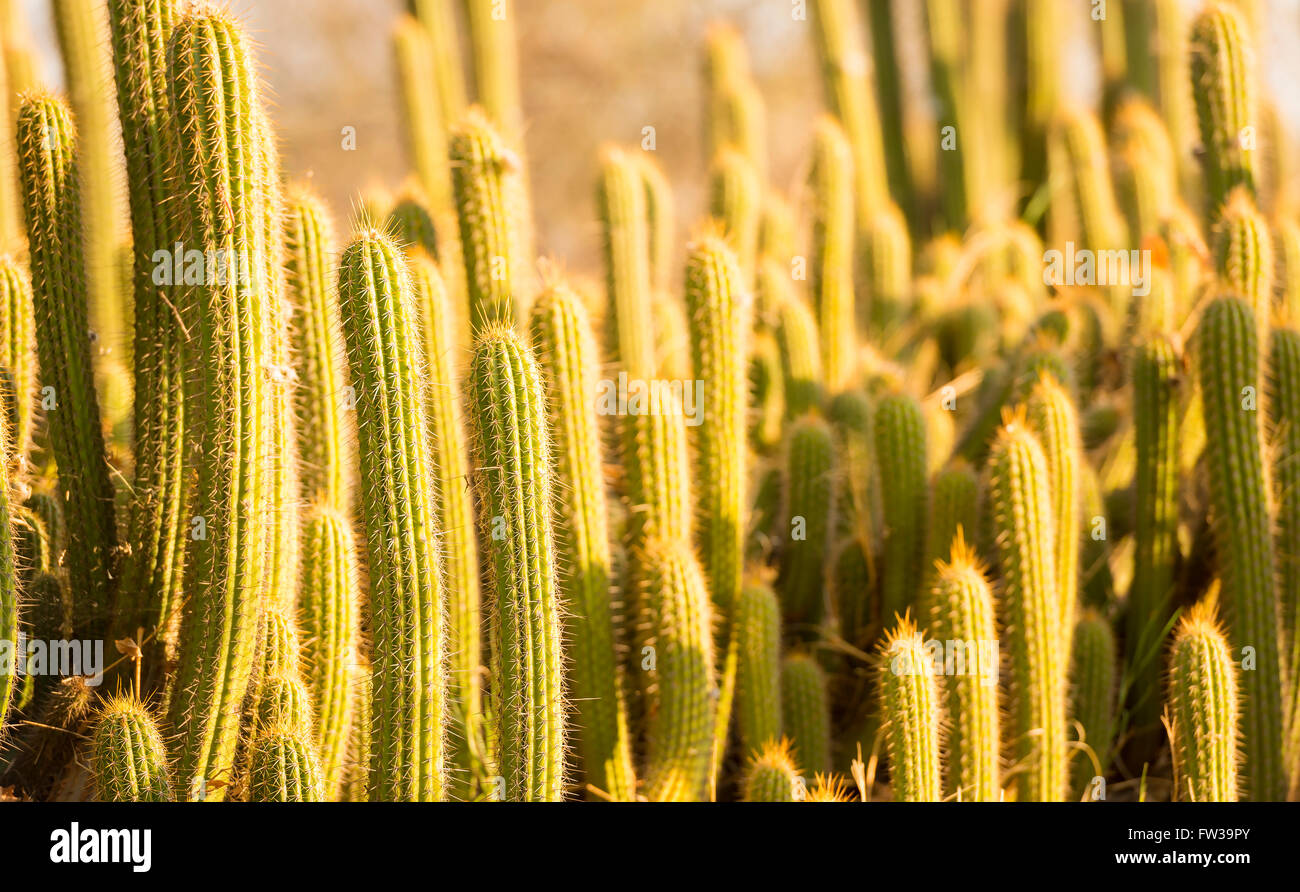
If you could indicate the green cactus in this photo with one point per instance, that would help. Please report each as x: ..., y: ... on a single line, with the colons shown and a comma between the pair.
x: 1284, y: 423
x: 963, y: 622
x: 1086, y: 209
x: 890, y: 92
x: 736, y: 200
x: 1093, y: 688
x: 426, y: 128
x: 806, y: 712
x: 357, y: 785
x: 771, y: 775
x: 566, y: 348
x: 1224, y: 87
x: 767, y: 392
x: 832, y: 251
x: 514, y: 476
x: 909, y: 706
x: 47, y: 162
x: 801, y: 365
x: 283, y: 768
x: 758, y: 676
x: 328, y: 614
x: 1018, y: 483
x: 1043, y: 32
x: 900, y: 459
x: 886, y: 255
x: 657, y: 464
x: 809, y: 501
x: 407, y: 595
x: 495, y: 62
x: 485, y: 177
x: 1157, y: 373
x: 954, y: 503
x: 439, y: 19
x: 128, y: 758
x: 1243, y: 255
x: 1228, y: 362
x: 411, y: 225
x: 676, y: 652
x: 622, y: 196
x: 17, y: 356
x: 851, y: 590
x: 660, y: 222
x: 9, y: 591
x: 1053, y: 420
x: 1204, y: 710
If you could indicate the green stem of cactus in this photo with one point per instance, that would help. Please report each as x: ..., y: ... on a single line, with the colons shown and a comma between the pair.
x: 128, y: 758
x: 1204, y: 709
x: 909, y: 705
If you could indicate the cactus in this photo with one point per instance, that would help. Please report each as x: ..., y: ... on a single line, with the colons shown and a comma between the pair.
x: 1156, y: 375
x: 736, y: 200
x: 808, y: 506
x: 283, y: 768
x: 485, y: 177
x: 17, y: 357
x: 771, y: 775
x: 801, y: 366
x: 909, y: 706
x: 887, y: 267
x: 127, y: 755
x: 758, y: 676
x: 954, y: 497
x: 677, y: 645
x: 407, y: 596
x: 1224, y: 88
x: 565, y: 346
x: 851, y: 590
x: 47, y: 161
x: 426, y: 128
x: 805, y: 712
x: 514, y: 476
x: 1018, y: 482
x: 832, y: 251
x: 1204, y: 710
x: 1093, y: 695
x: 357, y: 786
x: 622, y: 197
x: 963, y: 622
x: 9, y: 591
x: 1053, y: 420
x: 900, y: 459
x: 495, y: 62
x: 1243, y: 255
x: 658, y: 486
x: 1284, y: 423
x: 1228, y: 362
x: 660, y: 222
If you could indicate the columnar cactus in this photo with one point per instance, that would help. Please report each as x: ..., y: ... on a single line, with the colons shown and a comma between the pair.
x: 622, y: 196
x: 563, y: 341
x: 758, y: 676
x: 771, y: 775
x: 736, y: 200
x: 8, y: 590
x: 900, y: 458
x: 426, y: 128
x: 514, y: 476
x: 806, y: 712
x: 484, y: 180
x: 832, y: 251
x: 1243, y: 255
x: 283, y: 768
x: 676, y: 653
x: 1284, y: 421
x: 495, y: 62
x: 1018, y: 483
x: 1224, y: 86
x: 886, y: 254
x: 17, y: 355
x: 1229, y: 363
x: 453, y: 510
x: 660, y: 222
x: 658, y: 467
x: 47, y: 163
x: 1204, y: 710
x: 962, y: 621
x: 407, y: 595
x: 439, y: 19
x: 809, y: 500
x: 1093, y: 688
x: 909, y: 706
x: 954, y: 503
x: 127, y: 755
x: 801, y: 363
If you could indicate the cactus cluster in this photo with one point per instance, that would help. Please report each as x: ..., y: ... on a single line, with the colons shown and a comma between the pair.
x: 964, y: 470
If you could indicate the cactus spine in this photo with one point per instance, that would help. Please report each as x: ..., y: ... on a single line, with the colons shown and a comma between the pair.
x: 1284, y: 423
x: 1018, y: 483
x: 380, y: 330
x: 758, y: 675
x: 806, y: 712
x: 809, y: 500
x: 8, y: 590
x: 772, y: 775
x: 128, y: 758
x: 47, y: 161
x: 900, y: 457
x: 676, y: 623
x: 1243, y: 255
x: 1229, y: 363
x: 1224, y: 87
x: 514, y: 478
x: 17, y: 356
x: 909, y: 705
x: 283, y: 768
x: 1203, y: 710
x: 563, y: 340
x: 621, y: 195
x: 737, y: 202
x: 954, y: 504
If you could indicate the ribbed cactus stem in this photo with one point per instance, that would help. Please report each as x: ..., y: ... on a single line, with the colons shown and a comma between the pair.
x: 1018, y: 482
x: 283, y: 768
x: 661, y: 222
x: 495, y: 59
x: 426, y: 128
x: 47, y: 162
x: 909, y: 707
x: 758, y: 675
x: 17, y: 357
x: 1223, y: 78
x: 806, y: 712
x: 1242, y: 247
x: 407, y: 595
x: 771, y: 775
x: 796, y: 335
x: 832, y: 251
x: 736, y: 199
x: 899, y: 430
x: 128, y: 758
x: 1204, y: 710
x: 1284, y: 421
x: 886, y: 255
x: 954, y: 503
x: 809, y: 501
x: 1093, y: 687
x: 1239, y: 502
x: 515, y: 477
x: 622, y: 198
x: 658, y: 467
x: 676, y: 656
x: 9, y: 591
x: 566, y: 349
x: 484, y: 180
x: 963, y: 623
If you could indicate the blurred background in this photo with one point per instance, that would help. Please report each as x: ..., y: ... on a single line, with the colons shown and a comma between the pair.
x: 592, y: 71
